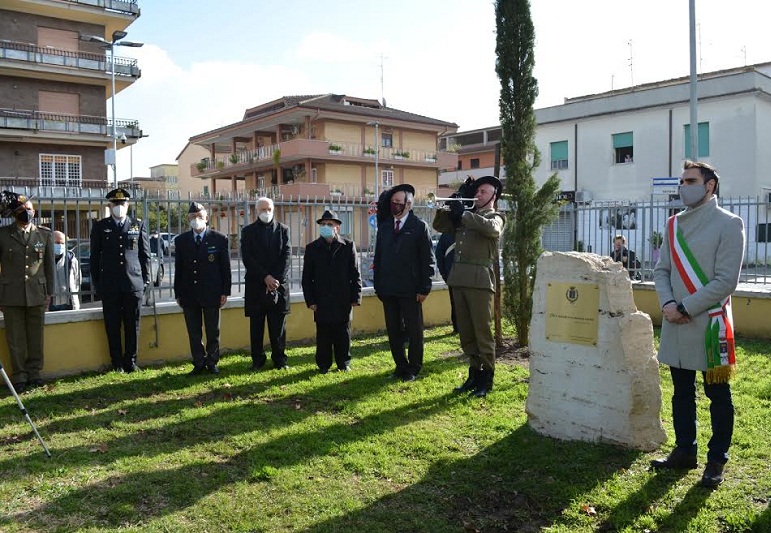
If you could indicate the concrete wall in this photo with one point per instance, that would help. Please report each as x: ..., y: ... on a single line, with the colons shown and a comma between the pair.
x: 75, y: 341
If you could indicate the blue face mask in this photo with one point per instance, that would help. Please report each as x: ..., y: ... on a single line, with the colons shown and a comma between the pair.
x: 327, y: 232
x: 58, y: 248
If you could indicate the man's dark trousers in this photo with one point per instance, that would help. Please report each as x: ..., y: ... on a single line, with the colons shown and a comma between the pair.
x: 333, y: 338
x: 276, y: 333
x: 196, y: 318
x: 684, y: 414
x: 409, y: 312
x: 122, y: 309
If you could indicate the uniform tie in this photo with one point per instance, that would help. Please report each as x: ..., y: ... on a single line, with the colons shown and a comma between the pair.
x: 198, y: 239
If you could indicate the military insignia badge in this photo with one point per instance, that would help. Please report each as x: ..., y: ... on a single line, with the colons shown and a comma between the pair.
x: 211, y: 258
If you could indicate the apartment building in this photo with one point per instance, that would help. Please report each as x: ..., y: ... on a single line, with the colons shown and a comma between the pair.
x: 610, y: 146
x: 332, y: 149
x: 55, y: 82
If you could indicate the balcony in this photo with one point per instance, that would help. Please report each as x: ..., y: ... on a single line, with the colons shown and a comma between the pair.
x: 298, y: 150
x: 111, y: 14
x: 39, y: 188
x: 37, y: 122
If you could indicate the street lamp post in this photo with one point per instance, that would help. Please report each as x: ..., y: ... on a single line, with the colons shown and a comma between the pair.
x: 110, y: 45
x: 377, y: 155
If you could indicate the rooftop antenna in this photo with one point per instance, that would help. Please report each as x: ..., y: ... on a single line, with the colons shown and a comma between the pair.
x: 744, y: 51
x: 631, y: 61
x: 382, y: 93
x: 612, y: 79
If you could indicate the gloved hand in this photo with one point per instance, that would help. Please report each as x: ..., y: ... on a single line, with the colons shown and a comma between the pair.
x: 456, y: 211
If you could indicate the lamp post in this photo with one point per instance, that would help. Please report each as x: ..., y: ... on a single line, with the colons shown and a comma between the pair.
x: 117, y: 35
x: 377, y: 154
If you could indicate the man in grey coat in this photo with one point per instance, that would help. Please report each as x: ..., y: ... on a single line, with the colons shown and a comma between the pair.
x: 699, y: 268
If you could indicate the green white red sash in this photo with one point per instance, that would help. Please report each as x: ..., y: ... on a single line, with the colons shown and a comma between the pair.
x: 719, y: 337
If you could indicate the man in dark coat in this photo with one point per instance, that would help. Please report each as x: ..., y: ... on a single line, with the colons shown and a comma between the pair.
x: 331, y: 287
x: 120, y: 271
x: 26, y: 286
x: 265, y: 252
x: 202, y: 282
x: 403, y: 267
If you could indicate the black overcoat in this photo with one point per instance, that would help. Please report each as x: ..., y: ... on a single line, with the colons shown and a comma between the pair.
x: 331, y: 279
x: 404, y: 262
x: 265, y: 250
x: 202, y: 271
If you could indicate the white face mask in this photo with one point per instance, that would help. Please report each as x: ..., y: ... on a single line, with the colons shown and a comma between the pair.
x: 119, y: 211
x: 266, y: 217
x: 198, y: 224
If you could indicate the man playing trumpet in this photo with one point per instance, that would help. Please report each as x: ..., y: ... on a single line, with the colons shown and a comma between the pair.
x: 472, y: 279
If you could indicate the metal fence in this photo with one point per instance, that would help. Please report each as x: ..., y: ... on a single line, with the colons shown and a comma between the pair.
x: 589, y: 228
x: 593, y: 229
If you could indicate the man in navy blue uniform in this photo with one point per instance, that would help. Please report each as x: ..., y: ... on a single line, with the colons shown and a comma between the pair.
x: 331, y: 287
x: 120, y: 271
x: 404, y: 265
x: 202, y: 282
x: 265, y: 253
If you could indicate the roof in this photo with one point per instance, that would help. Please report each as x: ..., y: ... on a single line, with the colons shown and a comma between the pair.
x: 365, y: 108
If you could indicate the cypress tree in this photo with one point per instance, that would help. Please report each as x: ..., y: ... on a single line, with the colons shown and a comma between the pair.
x: 530, y: 207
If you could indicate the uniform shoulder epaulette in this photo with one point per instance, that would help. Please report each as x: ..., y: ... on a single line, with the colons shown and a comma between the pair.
x: 44, y: 228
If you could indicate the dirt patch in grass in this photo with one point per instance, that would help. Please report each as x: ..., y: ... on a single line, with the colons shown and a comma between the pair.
x: 509, y: 353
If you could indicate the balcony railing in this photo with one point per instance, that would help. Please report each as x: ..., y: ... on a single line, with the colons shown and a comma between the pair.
x: 123, y: 6
x: 298, y: 149
x: 124, y: 66
x: 26, y: 119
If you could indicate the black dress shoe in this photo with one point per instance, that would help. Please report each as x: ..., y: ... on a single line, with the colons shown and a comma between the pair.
x: 677, y: 459
x: 713, y: 475
x: 409, y: 377
x: 197, y: 371
x: 118, y: 369
x: 213, y: 368
x: 34, y: 383
x: 19, y: 387
x: 396, y: 374
x: 132, y: 368
x: 346, y: 368
x: 281, y: 367
x: 256, y: 367
x: 323, y: 370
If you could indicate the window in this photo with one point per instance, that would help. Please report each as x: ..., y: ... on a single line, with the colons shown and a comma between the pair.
x: 388, y: 178
x: 314, y: 175
x: 763, y: 232
x: 386, y: 140
x: 60, y: 170
x: 623, y: 147
x: 475, y: 163
x: 703, y: 140
x: 559, y: 155
x: 460, y: 164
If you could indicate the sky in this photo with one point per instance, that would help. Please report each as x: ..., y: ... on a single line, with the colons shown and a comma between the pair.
x: 205, y: 62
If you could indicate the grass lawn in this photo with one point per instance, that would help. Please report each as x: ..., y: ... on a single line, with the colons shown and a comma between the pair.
x: 298, y: 451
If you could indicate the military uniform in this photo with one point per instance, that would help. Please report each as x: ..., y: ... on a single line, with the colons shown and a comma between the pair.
x: 26, y: 280
x: 472, y: 280
x: 201, y: 277
x: 120, y: 270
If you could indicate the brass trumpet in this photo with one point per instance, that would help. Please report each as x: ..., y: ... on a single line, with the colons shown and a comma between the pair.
x: 431, y: 200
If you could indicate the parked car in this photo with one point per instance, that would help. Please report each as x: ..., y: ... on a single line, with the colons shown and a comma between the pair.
x: 168, y: 239
x: 83, y: 254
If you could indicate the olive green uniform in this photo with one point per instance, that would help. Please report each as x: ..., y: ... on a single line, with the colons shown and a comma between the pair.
x: 472, y: 279
x: 26, y: 278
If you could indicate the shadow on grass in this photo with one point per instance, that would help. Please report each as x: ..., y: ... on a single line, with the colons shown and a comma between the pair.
x: 685, y: 510
x: 762, y: 523
x: 516, y: 484
x: 121, y: 498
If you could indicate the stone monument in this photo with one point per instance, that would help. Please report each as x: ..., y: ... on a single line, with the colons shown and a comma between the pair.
x: 593, y: 370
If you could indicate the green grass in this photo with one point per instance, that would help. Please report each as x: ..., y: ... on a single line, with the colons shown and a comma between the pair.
x: 298, y: 451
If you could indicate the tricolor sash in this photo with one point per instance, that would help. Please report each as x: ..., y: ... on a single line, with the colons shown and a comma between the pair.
x: 719, y: 337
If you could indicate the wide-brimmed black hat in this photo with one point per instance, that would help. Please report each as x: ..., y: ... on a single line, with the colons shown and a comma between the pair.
x: 490, y: 180
x: 118, y: 195
x: 329, y: 215
x: 406, y: 187
x: 11, y: 201
x: 195, y: 207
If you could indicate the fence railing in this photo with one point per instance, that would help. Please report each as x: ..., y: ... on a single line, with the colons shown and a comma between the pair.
x: 585, y: 228
x: 124, y: 66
